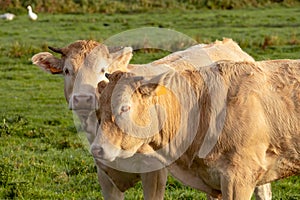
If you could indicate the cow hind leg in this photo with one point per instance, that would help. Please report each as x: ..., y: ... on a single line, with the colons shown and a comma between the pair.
x: 211, y: 198
x: 262, y: 192
x: 154, y: 184
x: 109, y: 190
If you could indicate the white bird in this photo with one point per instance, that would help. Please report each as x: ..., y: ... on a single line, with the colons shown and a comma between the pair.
x: 7, y: 16
x: 31, y: 14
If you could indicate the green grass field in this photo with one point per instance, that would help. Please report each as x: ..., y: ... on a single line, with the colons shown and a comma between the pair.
x: 43, y: 156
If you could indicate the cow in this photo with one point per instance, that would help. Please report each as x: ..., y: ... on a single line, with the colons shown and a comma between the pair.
x: 83, y: 65
x: 76, y: 70
x: 174, y: 117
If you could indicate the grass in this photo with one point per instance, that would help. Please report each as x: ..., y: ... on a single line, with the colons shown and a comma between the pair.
x: 43, y: 156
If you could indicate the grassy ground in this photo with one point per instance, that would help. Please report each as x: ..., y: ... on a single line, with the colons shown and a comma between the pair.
x: 43, y: 156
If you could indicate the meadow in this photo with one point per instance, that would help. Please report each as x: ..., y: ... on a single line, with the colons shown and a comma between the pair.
x: 42, y: 154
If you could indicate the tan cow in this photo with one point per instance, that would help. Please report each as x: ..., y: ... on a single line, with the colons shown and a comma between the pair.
x: 256, y: 107
x: 83, y: 65
x: 80, y: 82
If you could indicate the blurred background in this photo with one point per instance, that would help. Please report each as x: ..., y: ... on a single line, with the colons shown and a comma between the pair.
x: 128, y: 6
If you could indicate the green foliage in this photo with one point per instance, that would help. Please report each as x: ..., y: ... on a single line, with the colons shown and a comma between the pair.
x: 42, y: 154
x: 18, y: 50
x: 129, y: 6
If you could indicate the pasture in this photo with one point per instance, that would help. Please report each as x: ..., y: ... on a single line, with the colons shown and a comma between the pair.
x: 42, y: 155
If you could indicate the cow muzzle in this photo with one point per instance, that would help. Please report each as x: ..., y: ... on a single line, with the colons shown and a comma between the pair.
x: 83, y: 102
x: 107, y: 153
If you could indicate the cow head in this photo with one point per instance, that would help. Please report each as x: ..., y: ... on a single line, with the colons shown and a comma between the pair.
x: 133, y: 115
x: 83, y: 64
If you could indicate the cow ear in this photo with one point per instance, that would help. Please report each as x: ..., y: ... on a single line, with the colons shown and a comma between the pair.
x: 101, y: 85
x: 155, y: 86
x: 152, y: 89
x: 120, y: 59
x: 116, y: 75
x: 47, y: 62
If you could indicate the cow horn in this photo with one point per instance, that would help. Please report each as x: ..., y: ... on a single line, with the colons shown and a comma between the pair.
x: 56, y: 50
x: 107, y: 75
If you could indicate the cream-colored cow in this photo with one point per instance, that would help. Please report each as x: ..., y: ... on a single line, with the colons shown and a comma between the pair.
x: 255, y: 105
x: 83, y: 64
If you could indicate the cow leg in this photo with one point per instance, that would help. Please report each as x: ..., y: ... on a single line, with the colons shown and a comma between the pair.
x: 263, y: 192
x: 154, y: 184
x: 109, y: 190
x: 211, y: 198
x: 236, y: 188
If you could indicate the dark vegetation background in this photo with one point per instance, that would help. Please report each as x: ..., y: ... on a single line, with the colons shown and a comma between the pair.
x: 128, y: 6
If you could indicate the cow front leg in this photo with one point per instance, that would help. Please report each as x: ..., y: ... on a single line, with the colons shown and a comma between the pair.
x: 154, y: 184
x: 109, y: 190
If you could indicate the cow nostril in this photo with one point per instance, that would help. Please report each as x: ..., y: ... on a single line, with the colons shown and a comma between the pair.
x: 97, y: 151
x: 90, y: 99
x: 75, y: 100
x: 100, y: 151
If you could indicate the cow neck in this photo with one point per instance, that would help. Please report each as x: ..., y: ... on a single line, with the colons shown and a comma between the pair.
x: 178, y: 132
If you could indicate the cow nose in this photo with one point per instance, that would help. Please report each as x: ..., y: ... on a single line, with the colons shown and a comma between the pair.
x: 97, y: 151
x: 83, y: 102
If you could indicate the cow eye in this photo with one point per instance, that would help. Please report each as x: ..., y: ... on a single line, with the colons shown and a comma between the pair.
x: 125, y: 108
x: 67, y: 72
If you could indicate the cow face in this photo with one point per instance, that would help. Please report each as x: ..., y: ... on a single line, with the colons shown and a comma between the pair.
x: 83, y: 64
x: 112, y: 143
x: 132, y: 117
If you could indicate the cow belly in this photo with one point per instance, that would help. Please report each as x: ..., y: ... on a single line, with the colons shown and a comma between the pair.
x: 187, y: 177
